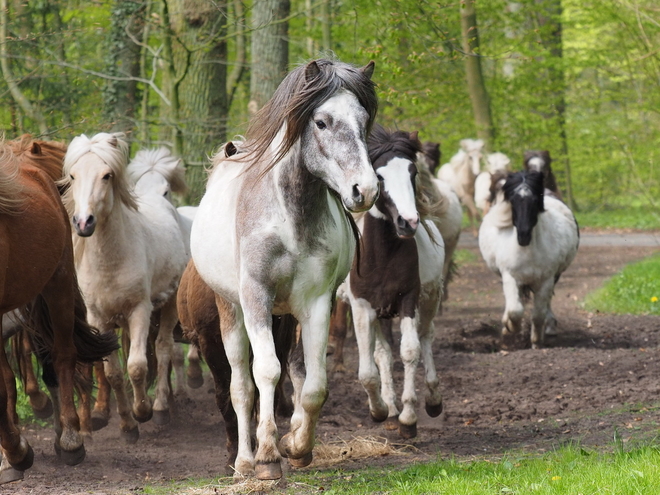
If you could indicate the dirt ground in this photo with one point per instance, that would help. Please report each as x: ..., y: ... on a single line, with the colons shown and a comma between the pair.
x: 598, y: 378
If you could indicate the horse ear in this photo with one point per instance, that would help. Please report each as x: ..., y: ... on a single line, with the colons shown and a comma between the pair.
x: 113, y: 141
x: 36, y: 148
x: 368, y: 70
x: 414, y: 136
x: 312, y: 70
x: 230, y: 149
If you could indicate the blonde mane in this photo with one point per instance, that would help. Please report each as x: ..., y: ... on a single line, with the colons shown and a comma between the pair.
x: 11, y: 197
x: 162, y: 161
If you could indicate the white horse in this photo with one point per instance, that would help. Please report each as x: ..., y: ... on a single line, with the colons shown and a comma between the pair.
x: 129, y: 255
x: 496, y: 162
x: 461, y: 171
x: 399, y: 273
x: 529, y: 240
x: 272, y: 237
x: 158, y: 171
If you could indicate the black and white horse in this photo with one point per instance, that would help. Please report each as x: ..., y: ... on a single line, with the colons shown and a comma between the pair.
x: 529, y: 240
x: 539, y: 161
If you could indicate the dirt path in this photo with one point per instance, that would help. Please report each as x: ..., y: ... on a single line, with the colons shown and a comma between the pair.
x: 598, y: 376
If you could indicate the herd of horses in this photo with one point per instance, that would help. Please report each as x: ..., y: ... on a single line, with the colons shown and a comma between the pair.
x: 318, y: 214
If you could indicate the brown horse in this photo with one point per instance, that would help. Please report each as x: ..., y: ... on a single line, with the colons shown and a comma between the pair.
x: 40, y: 280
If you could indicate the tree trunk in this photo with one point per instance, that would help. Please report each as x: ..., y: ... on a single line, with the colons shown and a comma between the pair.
x: 120, y: 98
x: 240, y: 58
x: 476, y: 85
x: 270, y: 50
x: 551, y: 38
x: 30, y: 110
x: 326, y: 24
x: 201, y: 27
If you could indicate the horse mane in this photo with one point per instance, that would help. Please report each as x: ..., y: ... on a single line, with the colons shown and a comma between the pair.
x: 302, y: 91
x: 432, y: 154
x: 11, y: 197
x: 46, y: 155
x: 112, y: 149
x: 162, y: 161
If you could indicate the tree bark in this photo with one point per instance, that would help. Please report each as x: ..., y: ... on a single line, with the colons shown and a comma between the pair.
x: 551, y: 38
x: 270, y: 50
x: 326, y: 24
x: 240, y: 58
x: 476, y: 84
x: 120, y: 98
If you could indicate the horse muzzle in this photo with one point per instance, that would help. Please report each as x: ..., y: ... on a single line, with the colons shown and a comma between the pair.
x: 84, y: 228
x: 362, y: 199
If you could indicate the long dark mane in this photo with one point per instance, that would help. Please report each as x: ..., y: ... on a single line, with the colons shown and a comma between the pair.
x: 302, y: 91
x: 398, y: 143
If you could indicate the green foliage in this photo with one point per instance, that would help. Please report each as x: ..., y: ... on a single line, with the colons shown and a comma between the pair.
x: 636, y: 290
x: 631, y: 217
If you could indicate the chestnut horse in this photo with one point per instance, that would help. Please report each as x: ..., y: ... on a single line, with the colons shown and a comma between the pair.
x: 44, y: 285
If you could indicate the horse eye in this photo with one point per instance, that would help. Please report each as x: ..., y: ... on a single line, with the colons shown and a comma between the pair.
x: 320, y: 124
x: 107, y: 176
x: 71, y: 177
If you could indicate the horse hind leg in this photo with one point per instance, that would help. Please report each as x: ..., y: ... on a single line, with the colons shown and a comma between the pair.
x: 101, y: 411
x: 514, y: 309
x: 42, y: 406
x: 433, y: 399
x: 337, y: 335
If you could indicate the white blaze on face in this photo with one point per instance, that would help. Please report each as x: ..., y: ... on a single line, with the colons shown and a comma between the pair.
x: 397, y: 184
x: 536, y: 164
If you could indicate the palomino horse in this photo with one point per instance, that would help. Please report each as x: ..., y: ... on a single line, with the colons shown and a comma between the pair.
x: 497, y: 163
x: 158, y: 171
x: 529, y: 240
x: 399, y: 273
x: 539, y: 161
x: 461, y: 171
x: 43, y: 284
x: 272, y: 237
x: 130, y: 255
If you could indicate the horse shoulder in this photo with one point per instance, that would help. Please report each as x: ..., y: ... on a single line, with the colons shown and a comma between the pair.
x: 431, y: 253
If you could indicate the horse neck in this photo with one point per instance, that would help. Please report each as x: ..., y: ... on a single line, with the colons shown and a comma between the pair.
x: 380, y: 241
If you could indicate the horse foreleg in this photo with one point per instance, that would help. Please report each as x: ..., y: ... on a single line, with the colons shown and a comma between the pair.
x: 101, y: 411
x: 433, y: 401
x: 164, y: 346
x: 194, y: 376
x: 15, y: 448
x: 178, y: 364
x: 41, y: 404
x: 237, y: 347
x: 363, y: 321
x: 384, y: 361
x: 337, y: 334
x: 138, y: 324
x: 299, y: 442
x: 513, y: 309
x: 541, y: 312
x: 410, y: 354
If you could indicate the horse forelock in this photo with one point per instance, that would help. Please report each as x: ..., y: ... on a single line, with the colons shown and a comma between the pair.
x: 161, y: 161
x: 295, y: 101
x: 397, y: 143
x: 112, y: 150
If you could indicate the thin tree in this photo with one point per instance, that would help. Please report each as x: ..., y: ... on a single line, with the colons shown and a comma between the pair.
x: 475, y: 79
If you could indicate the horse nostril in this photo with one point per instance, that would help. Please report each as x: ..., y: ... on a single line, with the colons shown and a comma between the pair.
x: 91, y: 220
x: 401, y: 222
x: 358, y: 197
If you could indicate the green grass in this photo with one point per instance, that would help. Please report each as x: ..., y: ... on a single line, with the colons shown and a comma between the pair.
x: 568, y: 470
x: 635, y: 290
x: 632, y: 217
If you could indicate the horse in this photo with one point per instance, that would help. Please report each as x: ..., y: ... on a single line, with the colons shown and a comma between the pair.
x: 496, y: 162
x: 430, y: 155
x: 539, y: 160
x: 159, y: 171
x: 399, y: 273
x: 130, y: 255
x: 272, y: 236
x: 40, y: 281
x: 461, y: 171
x: 529, y: 240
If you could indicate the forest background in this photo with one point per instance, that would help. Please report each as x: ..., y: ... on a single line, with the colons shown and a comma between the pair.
x: 580, y: 78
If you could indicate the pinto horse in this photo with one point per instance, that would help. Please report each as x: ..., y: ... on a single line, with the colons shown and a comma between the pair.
x: 529, y: 240
x: 272, y: 236
x: 130, y: 255
x: 540, y: 161
x: 399, y: 273
x: 44, y: 286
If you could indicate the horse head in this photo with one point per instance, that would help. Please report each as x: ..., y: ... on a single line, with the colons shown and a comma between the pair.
x: 94, y: 170
x: 524, y: 191
x: 393, y: 156
x: 328, y: 107
x: 474, y: 150
x: 498, y: 162
x: 157, y: 171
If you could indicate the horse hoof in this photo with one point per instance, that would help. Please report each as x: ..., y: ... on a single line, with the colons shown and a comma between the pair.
x: 143, y: 419
x: 302, y: 462
x: 161, y: 417
x: 99, y: 420
x: 268, y: 471
x: 376, y: 418
x: 433, y: 410
x: 408, y: 431
x: 26, y: 462
x: 391, y: 423
x: 130, y: 437
x: 73, y: 457
x: 44, y: 412
x: 195, y: 381
x: 9, y: 474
